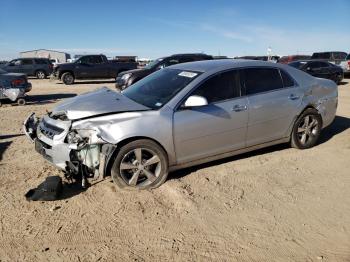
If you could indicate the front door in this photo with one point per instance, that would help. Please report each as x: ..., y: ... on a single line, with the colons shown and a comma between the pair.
x: 216, y: 128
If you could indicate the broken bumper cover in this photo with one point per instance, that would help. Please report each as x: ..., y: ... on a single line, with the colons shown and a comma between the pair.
x: 49, y: 137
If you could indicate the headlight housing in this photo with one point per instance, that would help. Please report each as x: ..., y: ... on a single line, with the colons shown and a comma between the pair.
x: 125, y: 77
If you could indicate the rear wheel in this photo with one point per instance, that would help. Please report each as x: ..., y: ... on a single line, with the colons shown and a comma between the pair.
x: 21, y: 102
x: 141, y: 164
x: 67, y: 78
x: 40, y: 74
x: 307, y: 129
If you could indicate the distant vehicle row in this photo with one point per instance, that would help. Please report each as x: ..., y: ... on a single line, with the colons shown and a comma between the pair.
x: 39, y: 67
x: 90, y: 67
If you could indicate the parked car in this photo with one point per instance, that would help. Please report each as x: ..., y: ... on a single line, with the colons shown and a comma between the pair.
x: 346, y: 65
x: 273, y: 58
x: 130, y: 77
x: 91, y: 67
x: 334, y: 57
x: 39, y: 67
x: 319, y: 68
x: 292, y: 58
x: 182, y: 116
x: 13, y: 86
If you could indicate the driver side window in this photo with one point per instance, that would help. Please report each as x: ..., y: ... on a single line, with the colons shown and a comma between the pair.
x: 220, y: 87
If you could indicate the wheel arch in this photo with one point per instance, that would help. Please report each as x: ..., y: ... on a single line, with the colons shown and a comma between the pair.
x: 306, y: 107
x: 65, y: 71
x: 120, y: 144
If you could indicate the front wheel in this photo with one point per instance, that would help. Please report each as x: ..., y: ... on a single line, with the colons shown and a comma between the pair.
x: 67, y: 78
x: 307, y: 129
x: 141, y: 164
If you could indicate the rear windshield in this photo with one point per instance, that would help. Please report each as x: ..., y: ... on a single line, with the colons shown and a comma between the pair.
x: 158, y: 88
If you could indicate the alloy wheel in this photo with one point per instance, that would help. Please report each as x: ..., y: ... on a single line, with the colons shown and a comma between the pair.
x: 307, y: 129
x: 140, y: 167
x: 40, y: 75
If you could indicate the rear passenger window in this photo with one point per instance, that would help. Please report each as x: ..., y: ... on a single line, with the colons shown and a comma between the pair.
x: 220, y: 87
x: 287, y: 80
x: 40, y: 61
x: 27, y: 62
x: 258, y: 80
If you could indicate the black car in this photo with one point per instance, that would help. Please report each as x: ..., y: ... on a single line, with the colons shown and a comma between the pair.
x: 335, y: 57
x: 39, y: 67
x: 127, y: 78
x: 320, y: 69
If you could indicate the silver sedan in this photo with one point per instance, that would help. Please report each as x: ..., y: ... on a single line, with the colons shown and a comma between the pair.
x: 182, y: 116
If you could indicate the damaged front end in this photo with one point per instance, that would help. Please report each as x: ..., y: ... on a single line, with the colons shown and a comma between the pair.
x: 81, y: 154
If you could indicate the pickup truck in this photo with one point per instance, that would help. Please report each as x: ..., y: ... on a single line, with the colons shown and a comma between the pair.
x: 90, y: 67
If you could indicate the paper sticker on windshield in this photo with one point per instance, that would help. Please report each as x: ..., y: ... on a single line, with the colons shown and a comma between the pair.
x: 158, y: 104
x: 187, y: 74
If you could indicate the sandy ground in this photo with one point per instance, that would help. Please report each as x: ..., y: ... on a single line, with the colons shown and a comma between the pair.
x: 276, y: 204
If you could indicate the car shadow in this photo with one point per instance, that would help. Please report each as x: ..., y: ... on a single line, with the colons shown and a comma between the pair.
x: 72, y: 189
x: 90, y: 82
x: 339, y: 125
x: 3, y: 147
x: 10, y: 136
x: 46, y: 99
x: 342, y: 83
x: 40, y: 99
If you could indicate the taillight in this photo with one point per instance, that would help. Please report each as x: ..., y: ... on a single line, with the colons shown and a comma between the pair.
x: 17, y: 82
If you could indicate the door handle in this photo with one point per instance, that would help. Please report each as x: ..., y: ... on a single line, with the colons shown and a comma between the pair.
x: 293, y: 97
x: 239, y: 108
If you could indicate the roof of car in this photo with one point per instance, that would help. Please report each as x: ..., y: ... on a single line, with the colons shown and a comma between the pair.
x: 221, y: 64
x: 311, y: 60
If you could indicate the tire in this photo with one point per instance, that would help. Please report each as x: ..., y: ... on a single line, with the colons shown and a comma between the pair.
x: 67, y: 78
x: 21, y: 102
x: 40, y: 74
x: 128, y: 173
x: 307, y: 129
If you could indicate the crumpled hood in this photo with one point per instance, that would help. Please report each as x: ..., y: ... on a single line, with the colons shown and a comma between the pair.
x: 98, y: 102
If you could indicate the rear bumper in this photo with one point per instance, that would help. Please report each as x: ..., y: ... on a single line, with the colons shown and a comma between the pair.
x: 28, y: 87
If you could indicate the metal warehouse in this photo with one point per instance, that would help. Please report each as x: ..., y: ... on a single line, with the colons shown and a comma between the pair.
x: 44, y: 53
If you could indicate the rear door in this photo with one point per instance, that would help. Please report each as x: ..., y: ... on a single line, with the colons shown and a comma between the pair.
x: 273, y: 101
x: 27, y: 66
x: 216, y: 128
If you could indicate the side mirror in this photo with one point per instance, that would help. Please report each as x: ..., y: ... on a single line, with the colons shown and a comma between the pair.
x: 308, y: 69
x: 196, y: 101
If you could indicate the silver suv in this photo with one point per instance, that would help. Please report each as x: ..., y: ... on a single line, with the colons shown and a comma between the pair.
x: 182, y: 116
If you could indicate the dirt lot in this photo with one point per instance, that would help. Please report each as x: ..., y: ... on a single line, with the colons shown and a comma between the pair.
x: 276, y: 204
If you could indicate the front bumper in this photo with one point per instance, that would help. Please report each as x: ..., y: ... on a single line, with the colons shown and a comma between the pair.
x: 49, y: 137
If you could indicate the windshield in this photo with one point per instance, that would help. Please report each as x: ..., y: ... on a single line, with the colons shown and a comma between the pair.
x: 154, y: 63
x: 158, y: 88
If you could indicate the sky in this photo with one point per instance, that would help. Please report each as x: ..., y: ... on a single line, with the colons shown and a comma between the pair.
x: 151, y: 29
